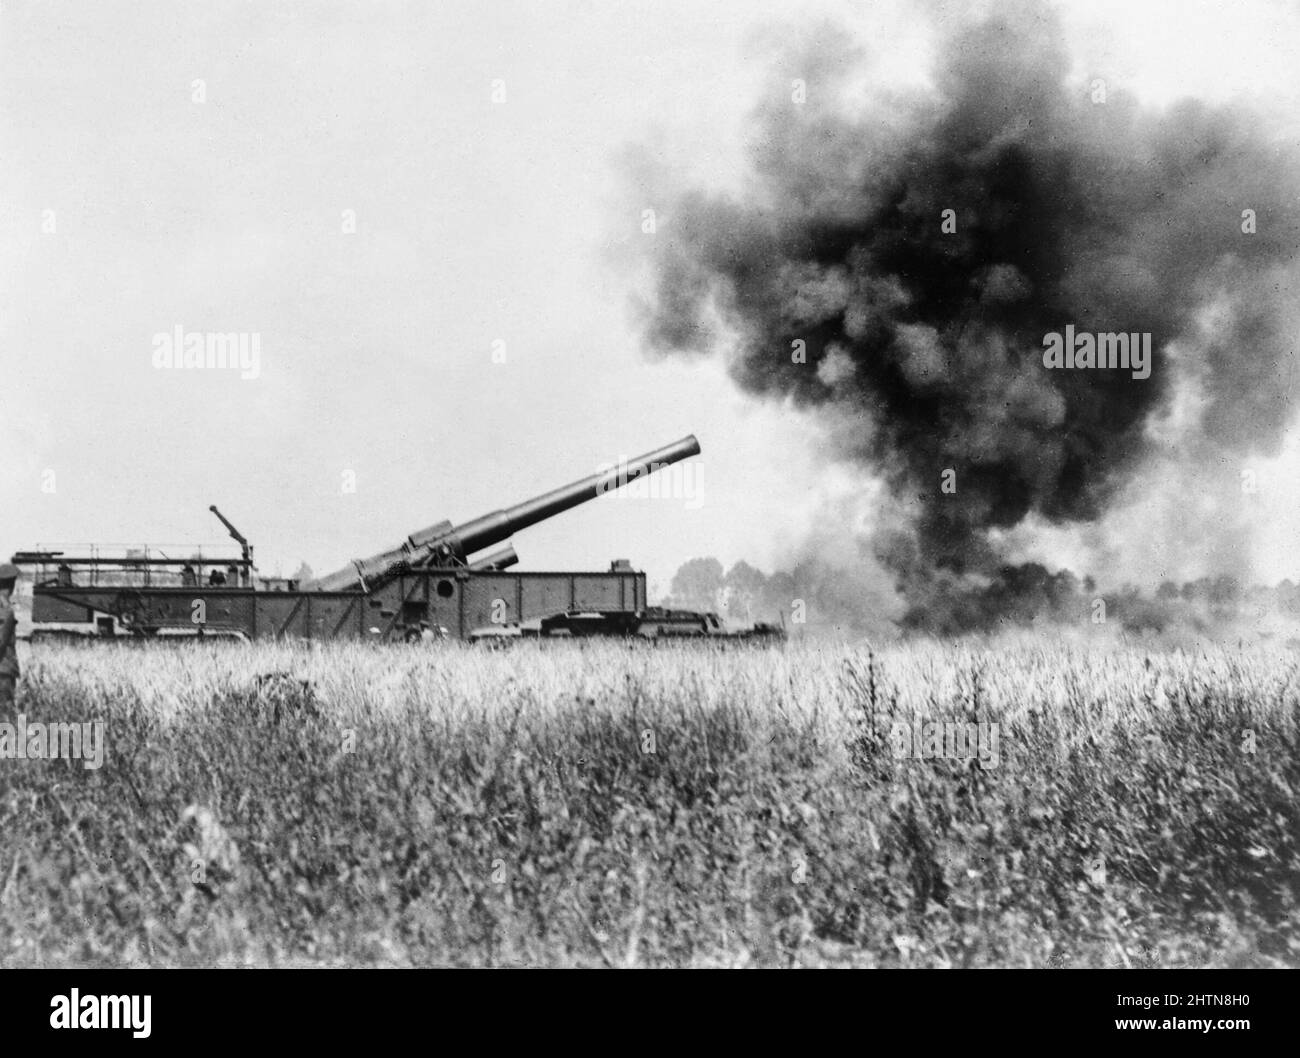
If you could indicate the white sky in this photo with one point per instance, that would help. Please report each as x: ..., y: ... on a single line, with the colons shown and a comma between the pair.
x: 476, y: 221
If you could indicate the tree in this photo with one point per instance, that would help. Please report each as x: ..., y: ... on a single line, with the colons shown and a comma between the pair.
x: 698, y: 583
x: 743, y: 586
x: 1225, y: 589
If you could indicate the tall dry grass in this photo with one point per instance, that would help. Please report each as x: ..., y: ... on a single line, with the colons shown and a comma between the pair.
x: 593, y: 804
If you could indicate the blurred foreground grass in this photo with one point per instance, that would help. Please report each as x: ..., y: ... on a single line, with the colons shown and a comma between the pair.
x: 573, y: 804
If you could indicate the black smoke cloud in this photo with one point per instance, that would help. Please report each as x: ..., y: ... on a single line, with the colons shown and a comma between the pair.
x: 1106, y: 216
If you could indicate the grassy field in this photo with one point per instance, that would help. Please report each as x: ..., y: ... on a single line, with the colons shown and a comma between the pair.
x: 597, y: 805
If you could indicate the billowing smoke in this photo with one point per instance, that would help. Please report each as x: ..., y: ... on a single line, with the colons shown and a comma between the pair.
x: 840, y: 281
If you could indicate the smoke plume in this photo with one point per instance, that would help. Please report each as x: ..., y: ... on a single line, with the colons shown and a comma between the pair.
x: 833, y: 283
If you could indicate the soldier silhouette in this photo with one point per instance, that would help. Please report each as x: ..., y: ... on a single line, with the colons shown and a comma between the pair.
x: 8, y: 639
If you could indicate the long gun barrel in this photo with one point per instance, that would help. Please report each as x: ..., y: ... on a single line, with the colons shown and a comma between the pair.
x: 445, y: 544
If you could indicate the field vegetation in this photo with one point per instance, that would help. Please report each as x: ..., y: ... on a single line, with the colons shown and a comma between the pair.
x: 596, y: 805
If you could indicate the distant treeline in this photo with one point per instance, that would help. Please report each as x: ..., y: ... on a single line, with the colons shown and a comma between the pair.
x: 1015, y: 595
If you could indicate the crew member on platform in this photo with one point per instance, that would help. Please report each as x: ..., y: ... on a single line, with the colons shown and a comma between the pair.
x: 8, y: 639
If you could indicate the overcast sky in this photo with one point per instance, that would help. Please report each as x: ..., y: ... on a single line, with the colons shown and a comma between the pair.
x: 222, y: 206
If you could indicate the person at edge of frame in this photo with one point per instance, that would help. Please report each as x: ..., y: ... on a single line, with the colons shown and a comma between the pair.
x: 8, y: 639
